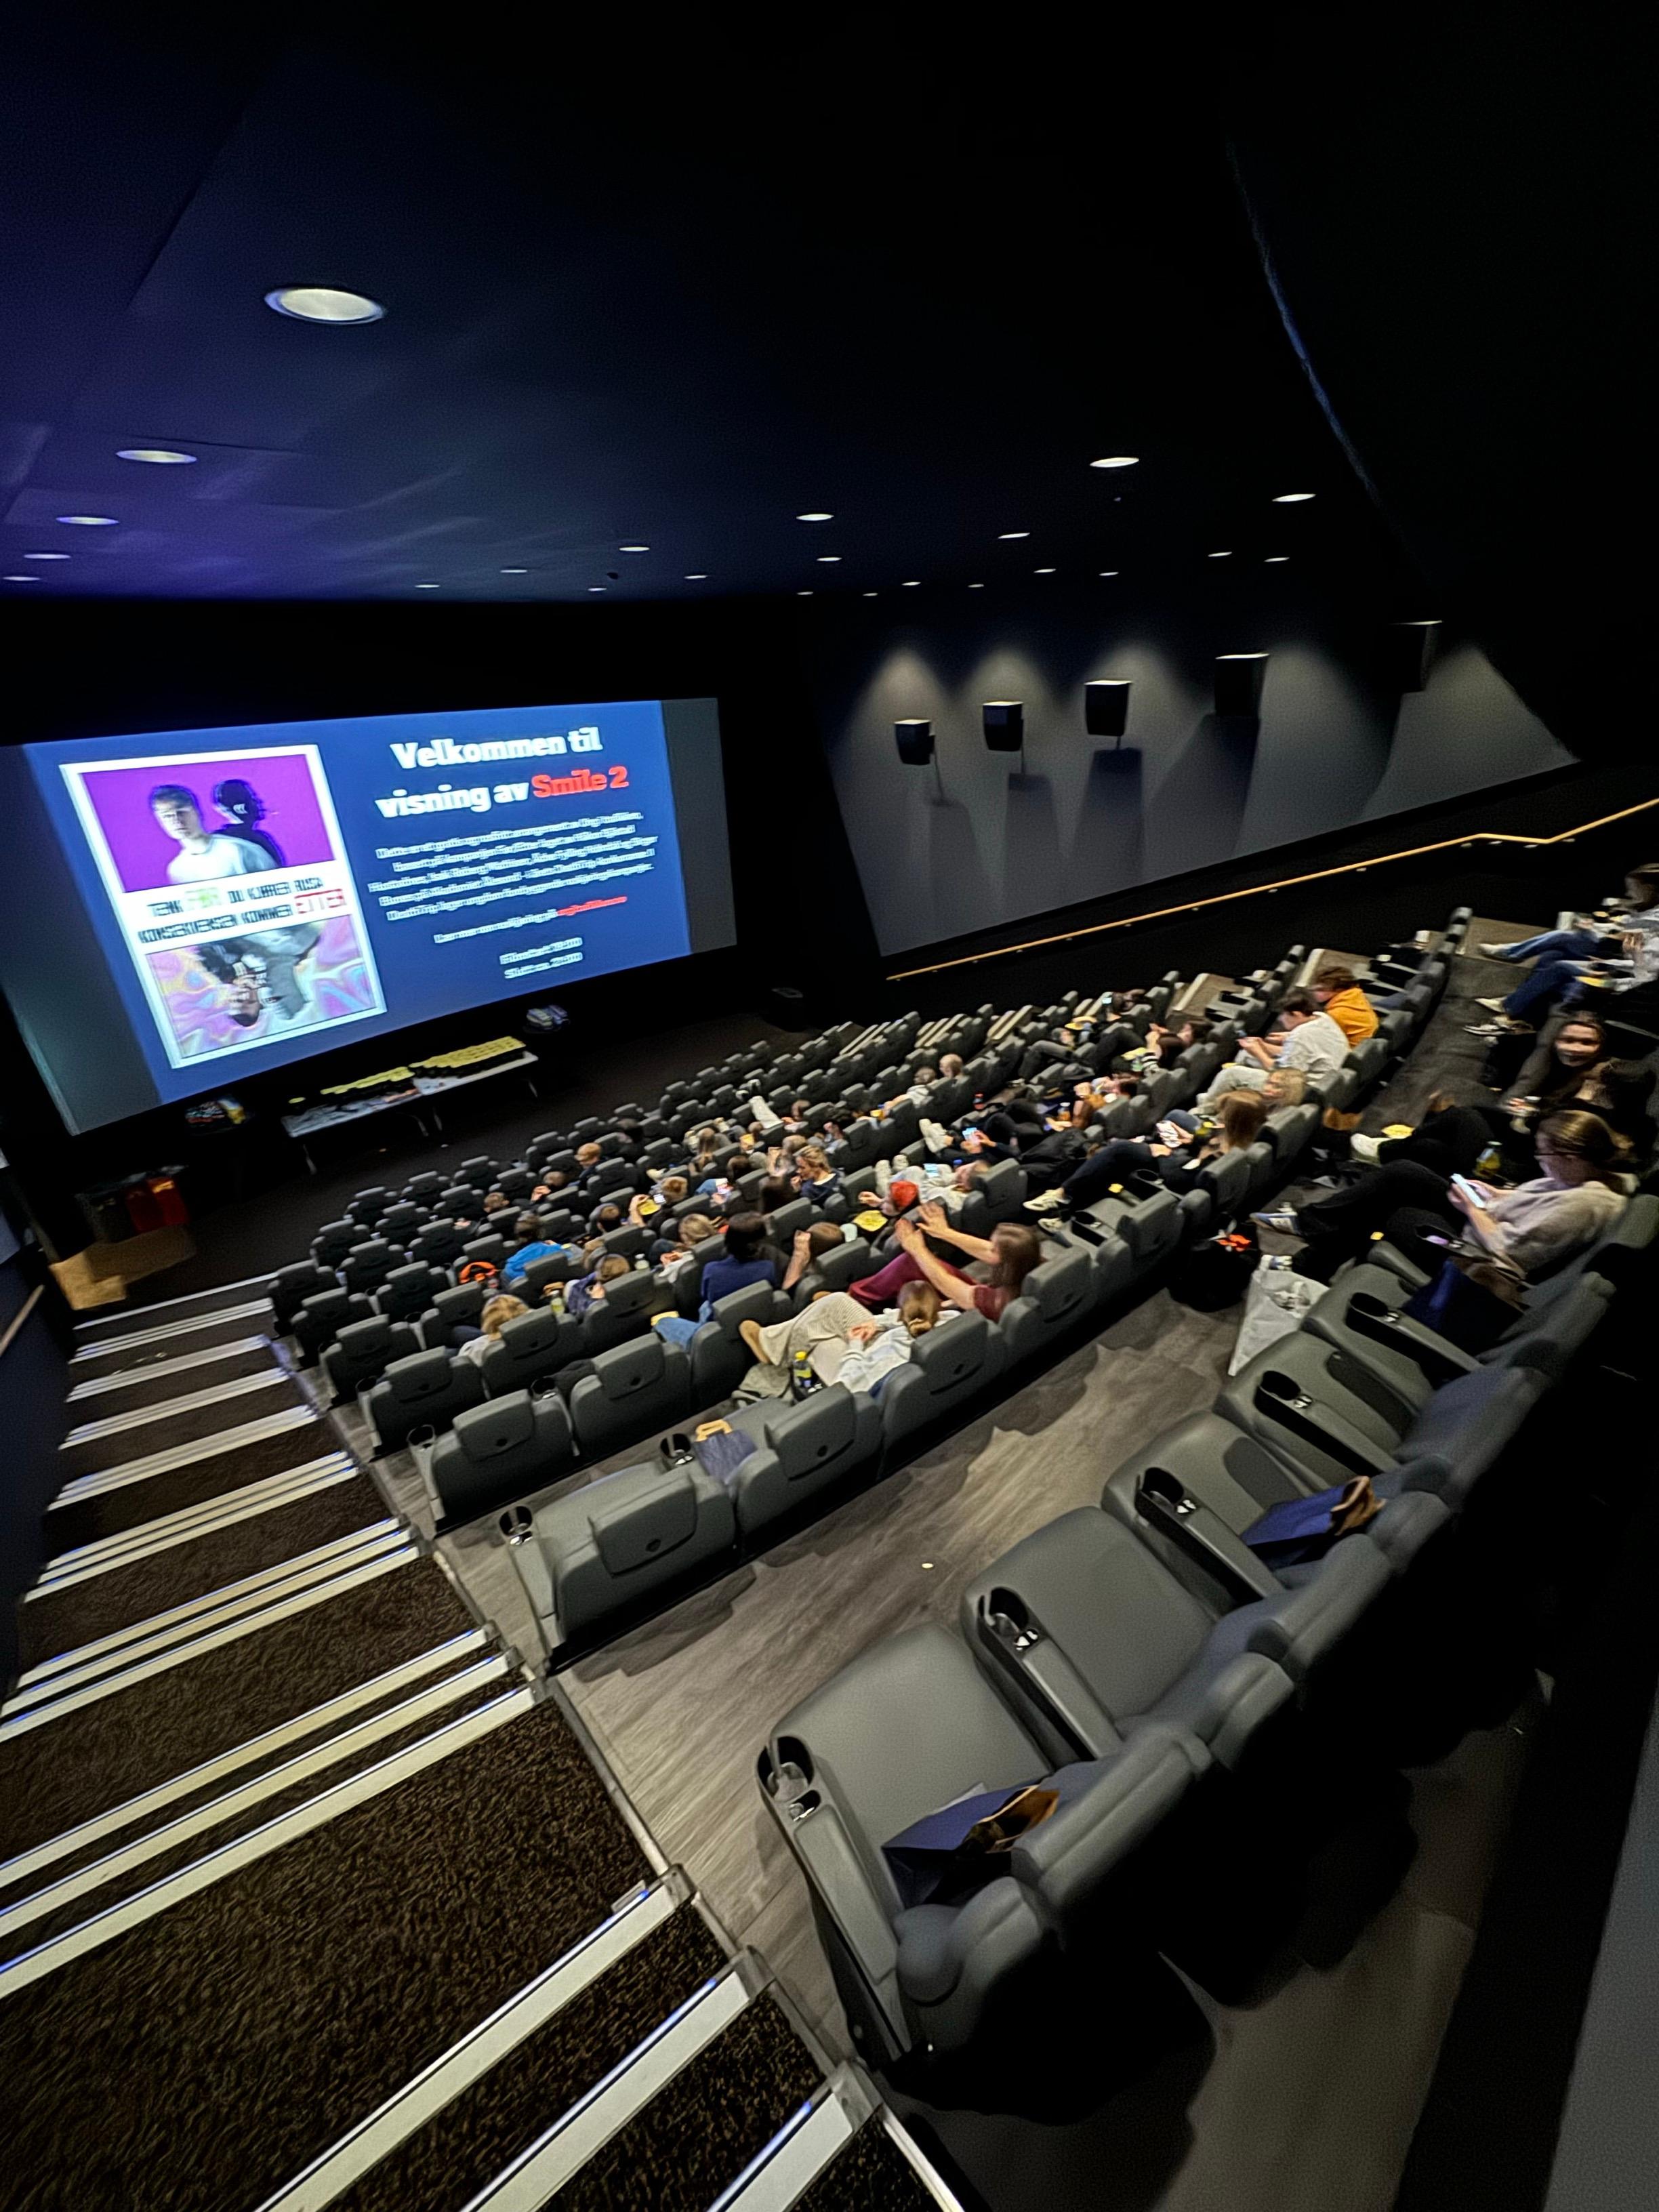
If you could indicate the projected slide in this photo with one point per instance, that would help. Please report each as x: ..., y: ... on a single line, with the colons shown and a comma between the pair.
x: 258, y: 894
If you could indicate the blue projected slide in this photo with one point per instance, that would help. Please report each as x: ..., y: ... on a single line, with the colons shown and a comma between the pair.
x: 259, y: 893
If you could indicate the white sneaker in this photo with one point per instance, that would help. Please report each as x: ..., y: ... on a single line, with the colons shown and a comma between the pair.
x: 1045, y: 1202
x: 1364, y: 1148
x: 1491, y: 1006
x: 1496, y: 951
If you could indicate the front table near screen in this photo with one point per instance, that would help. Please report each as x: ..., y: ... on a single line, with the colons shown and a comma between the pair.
x: 215, y: 902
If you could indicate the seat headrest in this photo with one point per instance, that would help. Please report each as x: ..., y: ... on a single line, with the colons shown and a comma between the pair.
x: 1060, y: 1286
x: 951, y: 1353
x: 1002, y: 1180
x: 631, y: 1367
x: 632, y: 1532
x: 422, y: 1375
x: 532, y: 1334
x: 752, y: 1303
x: 501, y: 1426
x: 366, y: 1336
x: 818, y: 1428
x: 630, y: 1294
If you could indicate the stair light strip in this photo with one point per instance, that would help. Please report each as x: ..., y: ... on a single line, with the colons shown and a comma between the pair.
x: 127, y: 1472
x: 164, y: 1409
x: 101, y: 1346
x: 190, y: 1522
x: 98, y: 1386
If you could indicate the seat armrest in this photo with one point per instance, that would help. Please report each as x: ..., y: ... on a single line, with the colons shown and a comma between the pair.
x: 1374, y: 1323
x: 1299, y: 1415
x: 1163, y: 1501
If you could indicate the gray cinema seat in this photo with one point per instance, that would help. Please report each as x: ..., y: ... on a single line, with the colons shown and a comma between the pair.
x: 292, y: 1285
x: 323, y: 1315
x: 333, y: 1241
x: 535, y: 1346
x: 624, y: 1311
x: 947, y: 1367
x: 409, y: 1290
x: 807, y: 1449
x: 720, y: 1358
x: 630, y: 1391
x: 1148, y: 1221
x: 589, y: 1558
x: 1054, y: 1299
x: 459, y: 1306
x: 907, y: 1728
x: 363, y: 1352
x: 424, y: 1391
x: 500, y: 1450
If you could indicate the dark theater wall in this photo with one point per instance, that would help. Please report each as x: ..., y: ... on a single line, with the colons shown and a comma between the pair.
x: 985, y: 843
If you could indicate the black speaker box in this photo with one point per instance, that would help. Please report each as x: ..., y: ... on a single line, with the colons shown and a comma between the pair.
x: 1106, y: 707
x: 1004, y: 722
x: 1238, y: 678
x: 915, y: 740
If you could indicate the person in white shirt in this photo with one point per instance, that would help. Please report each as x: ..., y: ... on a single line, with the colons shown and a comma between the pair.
x: 1306, y: 1039
x: 205, y: 855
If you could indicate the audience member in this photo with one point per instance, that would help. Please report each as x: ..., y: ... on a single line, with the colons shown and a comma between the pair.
x: 803, y: 1275
x: 1306, y: 1039
x: 839, y: 1341
x: 531, y: 1243
x: 473, y: 1343
x: 1337, y: 990
x: 1450, y: 1139
x: 1631, y: 959
x: 1574, y: 1067
x: 1000, y: 1261
x: 1175, y: 1153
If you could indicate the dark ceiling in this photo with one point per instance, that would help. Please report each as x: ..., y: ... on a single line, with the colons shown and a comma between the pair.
x: 654, y: 288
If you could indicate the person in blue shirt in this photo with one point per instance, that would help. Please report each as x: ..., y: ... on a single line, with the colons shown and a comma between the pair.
x: 748, y: 1258
x: 532, y: 1244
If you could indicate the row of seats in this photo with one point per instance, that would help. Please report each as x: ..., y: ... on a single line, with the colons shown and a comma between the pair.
x: 1201, y: 1718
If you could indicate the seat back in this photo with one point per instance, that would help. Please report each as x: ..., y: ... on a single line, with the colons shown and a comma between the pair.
x: 499, y: 1451
x: 1290, y: 1131
x: 1003, y: 1191
x: 425, y: 1390
x: 1055, y: 1299
x: 515, y: 1182
x: 632, y: 1389
x: 400, y: 1222
x: 439, y: 1245
x: 363, y: 1351
x: 720, y: 1358
x: 810, y: 1447
x: 408, y: 1291
x: 333, y: 1241
x: 688, y: 1283
x: 798, y: 1213
x: 489, y: 1250
x: 611, y: 1177
x: 556, y: 1268
x: 1149, y: 1224
x: 323, y: 1315
x: 536, y: 1344
x: 622, y: 1312
x: 422, y: 1189
x: 946, y: 1367
x: 291, y: 1287
x: 480, y: 1171
x: 848, y: 1264
x: 459, y: 1306
x: 369, y: 1205
x: 629, y: 1244
x: 594, y: 1556
x: 367, y: 1266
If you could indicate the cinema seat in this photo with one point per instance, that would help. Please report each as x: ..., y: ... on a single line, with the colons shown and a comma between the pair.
x: 323, y: 1315
x: 838, y: 1270
x: 720, y: 1358
x: 588, y: 1560
x: 291, y: 1287
x: 423, y: 1188
x: 515, y: 1183
x: 498, y: 1451
x: 1055, y: 1299
x: 479, y: 1171
x: 333, y: 1241
x: 408, y: 1291
x: 528, y: 1349
x: 363, y: 1352
x: 947, y: 1367
x: 461, y: 1305
x: 976, y: 1990
x: 367, y: 1266
x: 556, y: 1268
x: 624, y: 1311
x: 400, y: 1222
x: 460, y: 1202
x: 1147, y: 1220
x: 809, y: 1449
x: 487, y: 1251
x: 424, y: 1391
x: 688, y: 1282
x: 1215, y: 1193
x: 631, y: 1391
x: 369, y: 1205
x: 440, y: 1244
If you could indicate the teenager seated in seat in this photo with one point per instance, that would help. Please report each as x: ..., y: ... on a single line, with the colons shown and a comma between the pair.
x: 473, y: 1343
x: 814, y: 1177
x: 675, y: 1247
x: 1306, y: 1039
x: 1175, y: 1151
x: 1165, y: 1045
x: 1338, y: 992
x: 588, y: 1290
x: 998, y: 1265
x: 531, y: 1243
x: 1536, y: 1228
x: 840, y: 1341
x: 552, y: 1183
x: 748, y: 1258
x: 803, y: 1275
x: 1576, y: 1068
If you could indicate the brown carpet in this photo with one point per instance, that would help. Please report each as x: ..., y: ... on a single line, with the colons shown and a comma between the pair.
x: 698, y: 2135
x: 154, y: 1388
x: 89, y: 1610
x: 210, y: 2055
x: 163, y: 1431
x: 118, y: 1355
x: 869, y: 2176
x: 54, y: 1777
x: 101, y: 1327
x: 450, y: 2159
x: 108, y: 1513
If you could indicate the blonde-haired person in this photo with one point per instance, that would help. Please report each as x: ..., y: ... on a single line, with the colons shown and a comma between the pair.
x: 842, y: 1340
x: 491, y: 1322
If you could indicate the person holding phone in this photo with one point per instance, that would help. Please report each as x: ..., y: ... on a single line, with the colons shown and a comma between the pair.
x: 1536, y: 1228
x: 1176, y: 1151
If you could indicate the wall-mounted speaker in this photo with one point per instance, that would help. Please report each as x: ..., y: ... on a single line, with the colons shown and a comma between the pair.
x: 915, y: 740
x: 1408, y: 651
x: 1004, y: 722
x: 1106, y: 707
x: 1238, y: 679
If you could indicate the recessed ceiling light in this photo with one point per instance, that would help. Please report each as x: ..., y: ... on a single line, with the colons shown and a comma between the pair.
x: 1291, y: 498
x: 1042, y: 572
x: 828, y: 557
x: 45, y: 557
x: 1274, y: 559
x: 426, y: 587
x: 21, y: 579
x: 632, y: 549
x: 162, y: 456
x: 870, y: 595
x: 89, y: 521
x: 697, y: 577
x: 913, y: 583
x: 815, y: 518
x: 515, y: 572
x: 1005, y: 536
x: 803, y: 595
x: 596, y: 588
x: 1108, y: 572
x: 1117, y: 461
x: 976, y: 587
x: 1241, y: 656
x: 1226, y: 554
x: 320, y: 303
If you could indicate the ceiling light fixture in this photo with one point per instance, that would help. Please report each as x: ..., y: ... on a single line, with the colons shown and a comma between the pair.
x: 1226, y: 554
x: 976, y: 587
x: 21, y: 579
x: 426, y: 587
x: 1108, y: 572
x: 1291, y: 498
x: 515, y: 572
x: 89, y: 521
x: 1117, y: 461
x: 632, y: 549
x: 803, y: 595
x: 869, y: 595
x: 1006, y: 536
x: 163, y: 457
x: 320, y: 303
x: 696, y: 576
x: 1042, y: 572
x: 815, y: 518
x: 829, y: 557
x: 596, y: 587
x: 45, y: 557
x: 1274, y: 559
x: 913, y: 583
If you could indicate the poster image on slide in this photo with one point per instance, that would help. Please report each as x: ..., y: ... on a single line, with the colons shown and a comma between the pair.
x: 229, y: 883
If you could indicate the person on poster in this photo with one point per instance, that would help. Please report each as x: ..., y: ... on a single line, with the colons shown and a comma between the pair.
x: 261, y: 970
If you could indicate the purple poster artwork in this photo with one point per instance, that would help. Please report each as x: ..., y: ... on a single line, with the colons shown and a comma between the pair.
x: 267, y: 801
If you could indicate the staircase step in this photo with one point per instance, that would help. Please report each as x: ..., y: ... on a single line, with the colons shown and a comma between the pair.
x: 138, y: 1347
x: 873, y: 2174
x: 202, y: 2058
x: 58, y: 1773
x: 94, y: 1445
x: 105, y: 1327
x: 219, y: 1363
x: 103, y: 1598
x: 164, y: 1482
x: 499, y: 2093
